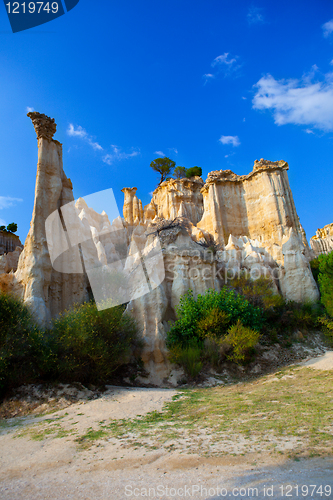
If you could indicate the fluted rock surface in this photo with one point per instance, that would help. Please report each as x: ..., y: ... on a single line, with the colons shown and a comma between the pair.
x: 259, y: 205
x: 9, y: 242
x: 47, y: 291
x: 322, y: 242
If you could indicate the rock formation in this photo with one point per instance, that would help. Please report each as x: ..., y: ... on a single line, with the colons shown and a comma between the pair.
x: 322, y: 242
x: 8, y: 242
x: 192, y: 235
x: 46, y: 291
x: 9, y: 261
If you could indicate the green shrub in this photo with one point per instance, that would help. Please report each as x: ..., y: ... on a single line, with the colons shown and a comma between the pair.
x: 242, y: 339
x: 84, y: 345
x: 25, y: 350
x: 193, y: 171
x: 92, y: 344
x: 259, y: 292
x: 214, y: 324
x: 314, y: 264
x: 328, y: 327
x: 325, y: 280
x: 190, y: 311
x: 188, y: 358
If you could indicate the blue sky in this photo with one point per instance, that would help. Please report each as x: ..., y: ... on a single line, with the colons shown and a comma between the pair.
x: 211, y: 83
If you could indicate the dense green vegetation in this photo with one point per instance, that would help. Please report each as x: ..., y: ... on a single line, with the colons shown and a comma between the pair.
x: 11, y: 228
x: 227, y: 325
x: 82, y: 345
x: 322, y: 269
x: 167, y: 167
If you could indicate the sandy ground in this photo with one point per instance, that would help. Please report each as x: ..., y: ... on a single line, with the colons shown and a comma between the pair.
x: 56, y: 468
x: 322, y: 362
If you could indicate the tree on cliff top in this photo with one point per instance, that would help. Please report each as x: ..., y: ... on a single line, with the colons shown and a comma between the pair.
x: 179, y: 172
x: 193, y: 171
x: 12, y: 227
x: 163, y: 166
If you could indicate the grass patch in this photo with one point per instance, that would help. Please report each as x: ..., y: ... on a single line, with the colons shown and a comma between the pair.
x: 288, y: 412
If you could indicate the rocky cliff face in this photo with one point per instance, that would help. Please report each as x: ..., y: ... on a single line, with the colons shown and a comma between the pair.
x: 212, y: 231
x: 8, y: 242
x: 206, y: 233
x: 322, y: 242
x: 45, y: 290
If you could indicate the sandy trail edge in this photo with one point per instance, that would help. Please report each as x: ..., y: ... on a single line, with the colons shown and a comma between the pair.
x: 55, y: 468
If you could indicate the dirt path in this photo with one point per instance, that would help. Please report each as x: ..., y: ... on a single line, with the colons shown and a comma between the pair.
x: 40, y: 462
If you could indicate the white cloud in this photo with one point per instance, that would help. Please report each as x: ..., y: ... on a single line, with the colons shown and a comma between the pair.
x: 225, y: 64
x: 301, y: 102
x: 7, y: 201
x: 309, y: 131
x: 327, y: 28
x: 159, y: 153
x: 2, y: 222
x: 81, y: 133
x: 151, y: 193
x: 230, y: 139
x: 223, y: 59
x: 174, y: 150
x: 30, y: 110
x: 254, y: 15
x: 244, y: 98
x: 117, y: 155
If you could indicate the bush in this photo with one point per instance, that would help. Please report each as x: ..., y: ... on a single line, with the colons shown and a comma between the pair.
x: 328, y: 327
x: 242, y: 340
x: 259, y: 292
x: 92, y: 344
x: 25, y: 350
x: 84, y: 345
x: 190, y: 311
x: 325, y: 280
x: 193, y: 171
x: 188, y: 358
x: 214, y: 324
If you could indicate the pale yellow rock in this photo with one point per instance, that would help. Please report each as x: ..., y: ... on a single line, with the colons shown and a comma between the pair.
x: 9, y: 261
x: 46, y: 291
x: 322, y: 242
x: 133, y: 212
x: 297, y: 282
x: 179, y: 198
x: 259, y: 205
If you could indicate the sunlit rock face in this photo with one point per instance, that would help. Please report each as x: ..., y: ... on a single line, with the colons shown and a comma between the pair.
x: 9, y: 242
x: 46, y: 291
x: 259, y: 205
x: 322, y: 242
x: 207, y: 233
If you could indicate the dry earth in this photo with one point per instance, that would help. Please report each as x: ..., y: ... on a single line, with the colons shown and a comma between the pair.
x: 36, y: 465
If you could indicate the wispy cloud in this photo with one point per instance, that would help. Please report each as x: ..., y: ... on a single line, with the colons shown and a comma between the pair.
x: 29, y: 110
x: 223, y: 59
x: 207, y: 77
x: 308, y: 131
x: 159, y: 153
x: 301, y: 102
x: 117, y: 155
x: 174, y: 150
x: 81, y: 133
x: 3, y: 222
x: 255, y: 16
x: 7, y: 201
x: 327, y: 28
x: 230, y: 139
x: 223, y: 64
